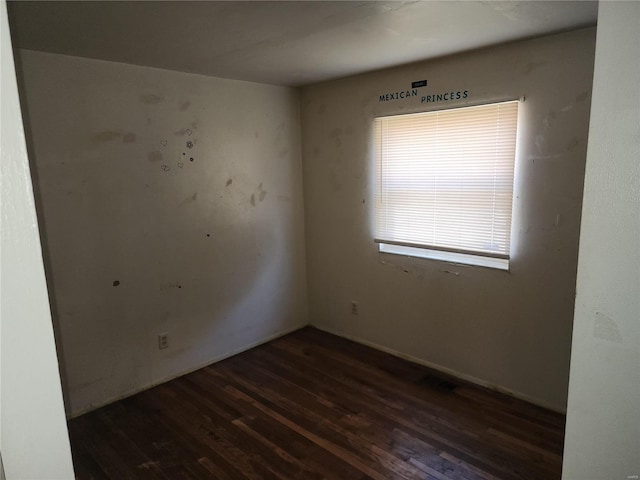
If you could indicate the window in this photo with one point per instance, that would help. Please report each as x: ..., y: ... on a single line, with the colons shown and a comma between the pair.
x: 444, y: 183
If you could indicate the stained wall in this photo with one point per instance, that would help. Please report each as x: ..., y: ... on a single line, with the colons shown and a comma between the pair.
x: 508, y: 330
x: 171, y: 203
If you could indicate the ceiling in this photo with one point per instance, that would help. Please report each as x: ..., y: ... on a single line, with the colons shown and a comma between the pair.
x: 283, y: 42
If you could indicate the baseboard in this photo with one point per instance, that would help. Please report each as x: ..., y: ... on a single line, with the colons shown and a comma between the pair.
x: 95, y: 406
x: 449, y: 371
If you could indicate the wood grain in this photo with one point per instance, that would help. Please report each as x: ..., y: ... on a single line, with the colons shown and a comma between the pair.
x: 314, y: 406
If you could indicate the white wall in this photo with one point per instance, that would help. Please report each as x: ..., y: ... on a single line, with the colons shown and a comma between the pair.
x: 509, y: 330
x: 33, y: 432
x: 603, y: 422
x: 210, y: 251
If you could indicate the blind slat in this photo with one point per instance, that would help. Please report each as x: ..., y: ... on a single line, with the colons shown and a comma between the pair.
x: 445, y: 178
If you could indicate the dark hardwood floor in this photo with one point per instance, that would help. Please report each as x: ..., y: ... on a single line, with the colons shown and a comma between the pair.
x: 314, y: 406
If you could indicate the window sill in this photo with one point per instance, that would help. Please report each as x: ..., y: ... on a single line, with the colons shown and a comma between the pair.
x: 454, y: 257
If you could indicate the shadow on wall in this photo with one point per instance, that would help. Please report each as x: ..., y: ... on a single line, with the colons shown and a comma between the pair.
x: 164, y: 224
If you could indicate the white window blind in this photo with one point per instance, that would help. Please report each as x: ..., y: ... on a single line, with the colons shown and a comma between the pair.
x: 444, y: 179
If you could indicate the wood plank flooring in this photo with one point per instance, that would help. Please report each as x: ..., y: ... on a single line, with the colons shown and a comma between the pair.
x: 313, y: 406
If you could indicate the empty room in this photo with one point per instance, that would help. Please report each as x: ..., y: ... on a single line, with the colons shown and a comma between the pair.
x: 320, y: 240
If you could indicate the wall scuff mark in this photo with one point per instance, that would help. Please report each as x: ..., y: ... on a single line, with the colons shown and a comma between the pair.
x: 106, y: 136
x: 151, y: 99
x: 129, y: 138
x: 606, y: 328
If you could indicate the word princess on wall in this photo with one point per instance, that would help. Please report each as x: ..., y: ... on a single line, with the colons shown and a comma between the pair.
x: 447, y: 96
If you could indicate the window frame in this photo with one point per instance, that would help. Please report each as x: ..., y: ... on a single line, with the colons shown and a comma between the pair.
x: 452, y: 254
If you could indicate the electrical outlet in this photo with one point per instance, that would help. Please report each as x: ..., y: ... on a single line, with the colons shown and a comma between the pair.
x: 354, y: 307
x: 163, y: 341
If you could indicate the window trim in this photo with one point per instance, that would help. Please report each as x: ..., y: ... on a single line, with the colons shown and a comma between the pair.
x: 446, y: 256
